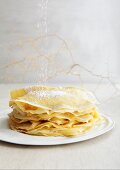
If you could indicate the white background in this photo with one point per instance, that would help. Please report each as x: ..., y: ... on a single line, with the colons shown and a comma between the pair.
x: 90, y: 27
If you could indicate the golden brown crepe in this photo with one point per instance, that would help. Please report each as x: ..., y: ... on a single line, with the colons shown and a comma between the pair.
x: 52, y: 111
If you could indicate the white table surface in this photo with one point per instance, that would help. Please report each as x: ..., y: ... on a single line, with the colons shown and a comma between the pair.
x: 99, y: 153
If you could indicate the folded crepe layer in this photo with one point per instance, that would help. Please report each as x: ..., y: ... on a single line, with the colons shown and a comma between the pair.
x: 52, y: 111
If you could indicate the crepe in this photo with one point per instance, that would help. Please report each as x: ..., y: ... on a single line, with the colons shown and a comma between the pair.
x: 53, y: 111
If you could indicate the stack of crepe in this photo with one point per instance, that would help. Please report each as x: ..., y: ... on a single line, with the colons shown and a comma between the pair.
x: 52, y: 111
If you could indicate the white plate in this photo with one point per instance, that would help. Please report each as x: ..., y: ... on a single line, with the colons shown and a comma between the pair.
x: 11, y: 136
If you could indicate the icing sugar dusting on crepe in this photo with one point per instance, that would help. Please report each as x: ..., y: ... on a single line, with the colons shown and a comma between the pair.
x: 55, y: 93
x: 52, y: 92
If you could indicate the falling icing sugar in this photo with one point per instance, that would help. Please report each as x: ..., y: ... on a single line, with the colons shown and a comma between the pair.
x: 44, y: 63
